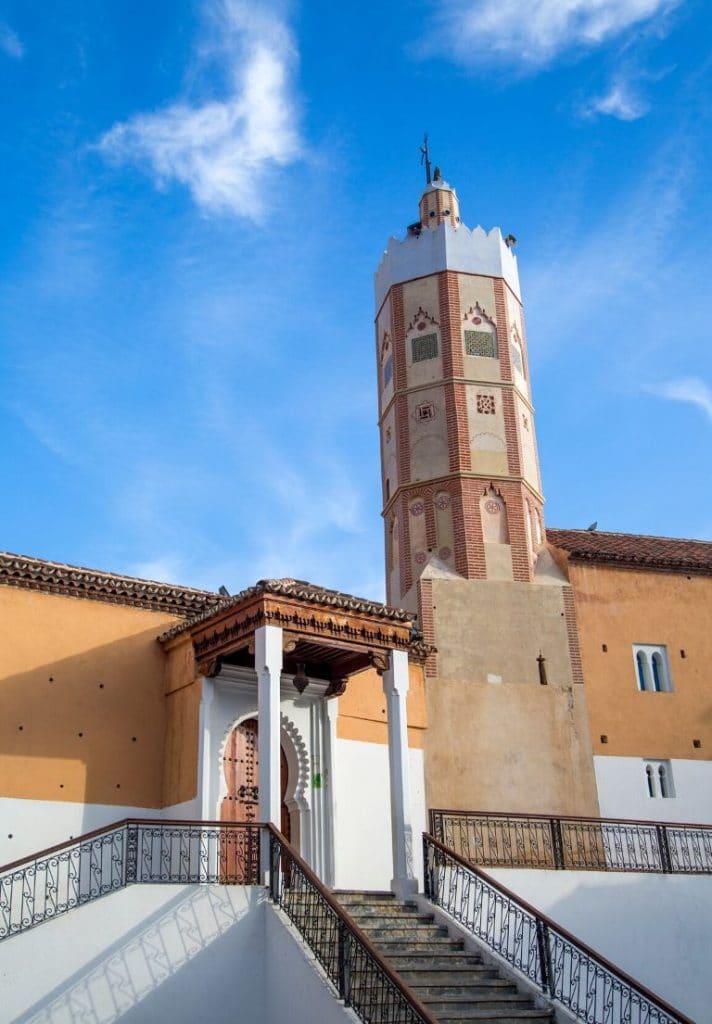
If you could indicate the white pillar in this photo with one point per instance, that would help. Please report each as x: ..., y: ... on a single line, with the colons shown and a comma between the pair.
x: 207, y: 771
x: 268, y: 666
x: 395, y: 688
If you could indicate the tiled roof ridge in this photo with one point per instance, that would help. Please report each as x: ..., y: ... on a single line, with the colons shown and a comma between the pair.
x: 303, y: 590
x: 623, y: 533
x: 635, y: 549
x: 97, y: 584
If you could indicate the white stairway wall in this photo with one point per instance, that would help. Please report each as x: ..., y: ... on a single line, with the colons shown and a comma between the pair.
x: 623, y: 790
x: 657, y: 928
x: 362, y: 815
x: 165, y: 952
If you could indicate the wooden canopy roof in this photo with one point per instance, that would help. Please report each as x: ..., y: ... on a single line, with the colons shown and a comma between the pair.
x: 330, y: 633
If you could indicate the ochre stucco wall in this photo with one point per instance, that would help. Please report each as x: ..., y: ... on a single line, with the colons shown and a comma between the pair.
x: 106, y: 668
x: 622, y: 607
x: 183, y: 692
x: 497, y: 739
x: 362, y: 709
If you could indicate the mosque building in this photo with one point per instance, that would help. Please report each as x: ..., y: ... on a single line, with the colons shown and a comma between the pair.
x: 514, y: 668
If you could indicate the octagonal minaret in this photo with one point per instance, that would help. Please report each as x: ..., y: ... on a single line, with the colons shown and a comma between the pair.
x: 461, y: 484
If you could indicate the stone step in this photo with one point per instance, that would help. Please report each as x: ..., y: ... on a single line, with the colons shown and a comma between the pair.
x: 440, y: 1005
x: 345, y: 896
x: 462, y: 987
x: 500, y: 1016
x: 365, y: 910
x: 433, y: 946
x: 416, y: 933
x: 418, y: 960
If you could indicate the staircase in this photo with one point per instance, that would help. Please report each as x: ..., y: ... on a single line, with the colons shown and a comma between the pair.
x: 453, y: 984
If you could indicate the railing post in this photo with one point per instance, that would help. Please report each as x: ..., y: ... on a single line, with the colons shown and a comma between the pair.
x: 344, y: 953
x: 427, y: 879
x: 545, y: 964
x: 664, y: 848
x: 274, y: 853
x: 131, y: 867
x: 557, y: 843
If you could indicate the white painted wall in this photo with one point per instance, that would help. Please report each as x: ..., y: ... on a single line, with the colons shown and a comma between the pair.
x: 623, y: 791
x: 472, y: 251
x: 36, y: 824
x: 657, y: 928
x: 165, y: 953
x: 362, y: 815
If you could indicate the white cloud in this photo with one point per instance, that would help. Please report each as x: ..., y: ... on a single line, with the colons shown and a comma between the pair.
x: 688, y: 389
x: 620, y: 101
x: 220, y: 149
x: 535, y: 32
x: 10, y: 43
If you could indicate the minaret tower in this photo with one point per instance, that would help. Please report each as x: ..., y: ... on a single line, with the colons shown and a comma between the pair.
x: 463, y: 511
x: 461, y: 483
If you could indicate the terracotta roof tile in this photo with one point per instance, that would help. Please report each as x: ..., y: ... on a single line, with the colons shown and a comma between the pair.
x: 76, y: 581
x: 303, y: 591
x: 635, y: 551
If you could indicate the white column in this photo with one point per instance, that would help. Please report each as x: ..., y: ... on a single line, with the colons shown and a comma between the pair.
x: 208, y: 809
x: 395, y: 688
x: 268, y: 665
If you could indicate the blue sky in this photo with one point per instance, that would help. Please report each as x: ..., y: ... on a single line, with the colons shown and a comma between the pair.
x: 194, y: 198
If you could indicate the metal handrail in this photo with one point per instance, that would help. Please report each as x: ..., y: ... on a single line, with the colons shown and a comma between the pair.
x: 134, y: 850
x: 565, y: 968
x: 502, y: 839
x: 363, y: 979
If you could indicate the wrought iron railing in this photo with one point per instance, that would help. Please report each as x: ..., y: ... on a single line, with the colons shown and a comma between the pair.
x: 135, y: 850
x: 590, y: 844
x: 564, y: 968
x: 359, y: 973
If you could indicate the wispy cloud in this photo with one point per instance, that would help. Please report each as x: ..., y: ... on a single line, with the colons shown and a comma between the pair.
x: 620, y: 101
x: 10, y: 43
x: 687, y: 389
x: 533, y: 33
x: 221, y: 149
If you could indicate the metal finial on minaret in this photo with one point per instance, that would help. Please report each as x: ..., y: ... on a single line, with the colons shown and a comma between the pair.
x: 425, y: 158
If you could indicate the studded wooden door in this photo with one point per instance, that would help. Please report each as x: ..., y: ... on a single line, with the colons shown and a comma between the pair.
x: 241, y: 800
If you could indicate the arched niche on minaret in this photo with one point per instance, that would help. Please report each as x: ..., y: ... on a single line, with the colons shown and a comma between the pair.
x: 423, y: 350
x: 495, y: 528
x: 480, y: 345
x: 428, y: 435
x: 495, y: 535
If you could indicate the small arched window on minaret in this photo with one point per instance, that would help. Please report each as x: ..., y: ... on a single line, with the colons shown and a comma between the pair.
x: 494, y: 518
x: 479, y: 334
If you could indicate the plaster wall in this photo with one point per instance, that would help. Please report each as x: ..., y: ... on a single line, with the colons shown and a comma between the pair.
x: 362, y: 708
x: 621, y: 607
x: 165, y: 952
x: 362, y: 815
x: 525, y: 426
x: 487, y: 434
x: 421, y: 294
x: 474, y: 290
x: 623, y: 790
x: 657, y: 928
x: 497, y: 739
x: 81, y: 688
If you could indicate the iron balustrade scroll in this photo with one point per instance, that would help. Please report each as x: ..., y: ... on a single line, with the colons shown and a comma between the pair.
x: 56, y: 880
x: 588, y: 844
x: 564, y: 968
x: 358, y: 972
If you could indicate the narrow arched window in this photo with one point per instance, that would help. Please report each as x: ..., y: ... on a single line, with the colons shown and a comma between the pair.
x: 664, y: 781
x: 643, y: 671
x: 651, y: 779
x: 658, y: 673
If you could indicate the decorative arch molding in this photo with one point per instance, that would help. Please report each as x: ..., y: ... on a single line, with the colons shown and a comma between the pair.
x: 479, y: 311
x: 422, y: 317
x: 495, y: 519
x: 297, y: 756
x: 385, y: 345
